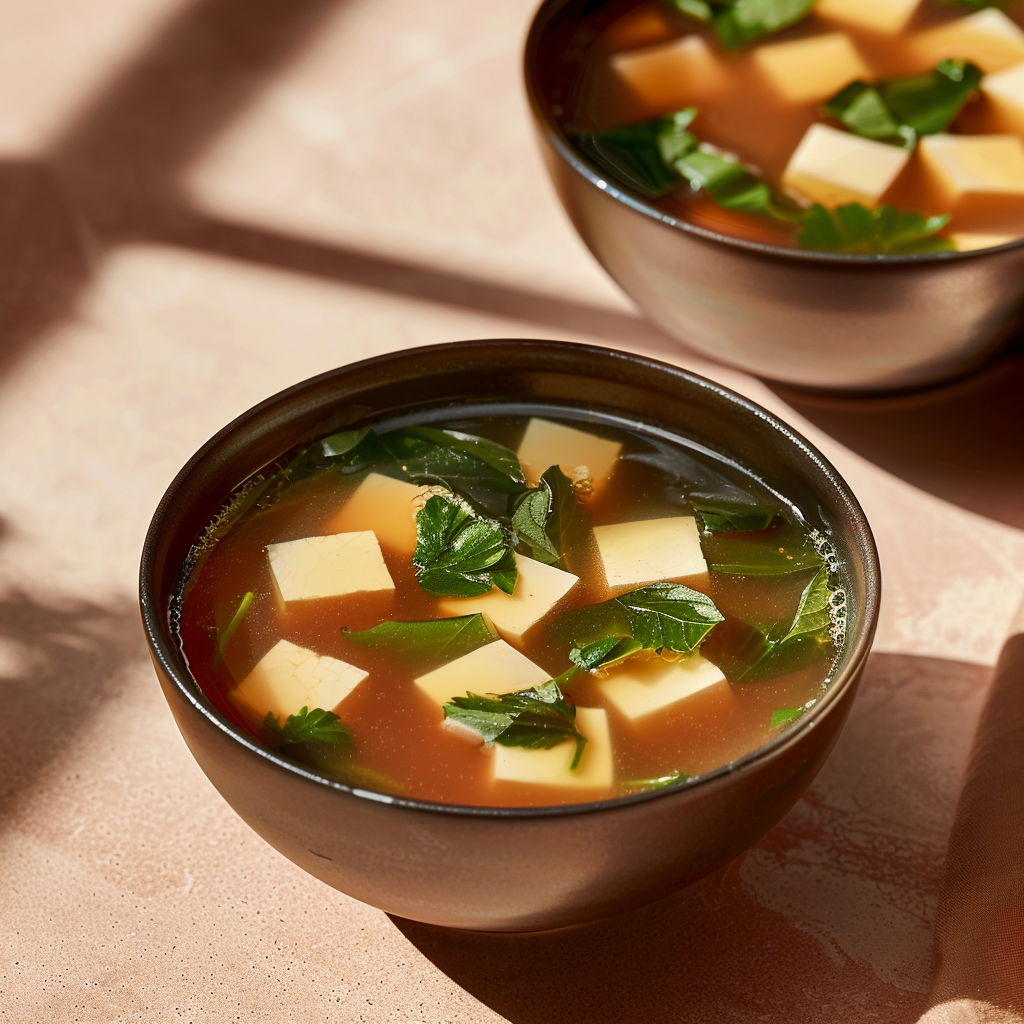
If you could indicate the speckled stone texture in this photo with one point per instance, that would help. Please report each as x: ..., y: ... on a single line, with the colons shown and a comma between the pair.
x: 203, y: 203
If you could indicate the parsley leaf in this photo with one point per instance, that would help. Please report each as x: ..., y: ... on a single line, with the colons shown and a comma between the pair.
x: 669, y: 615
x: 738, y: 22
x: 317, y: 725
x: 856, y: 229
x: 784, y: 715
x: 604, y: 653
x: 458, y: 553
x: 788, y: 646
x: 536, y: 719
x: 900, y: 109
x: 231, y: 627
x: 549, y: 520
x: 426, y: 645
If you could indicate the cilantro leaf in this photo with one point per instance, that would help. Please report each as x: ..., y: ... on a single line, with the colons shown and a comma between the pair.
x: 459, y: 554
x: 536, y: 719
x: 669, y: 615
x: 738, y: 22
x: 788, y: 646
x: 549, y: 520
x: 428, y: 644
x: 900, y: 109
x: 856, y: 229
x: 232, y: 626
x: 317, y: 726
x: 604, y: 653
x: 784, y: 715
x: 732, y: 517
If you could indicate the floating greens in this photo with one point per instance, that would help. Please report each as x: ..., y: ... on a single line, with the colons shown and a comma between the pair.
x: 901, y: 109
x: 856, y: 230
x: 537, y: 719
x: 732, y: 517
x: 784, y: 715
x: 425, y: 645
x: 604, y: 653
x: 232, y: 627
x: 742, y: 557
x: 307, y: 726
x: 738, y: 22
x: 669, y: 616
x: 548, y: 520
x: 460, y: 554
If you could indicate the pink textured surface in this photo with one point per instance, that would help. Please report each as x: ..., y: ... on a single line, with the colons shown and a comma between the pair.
x: 201, y: 203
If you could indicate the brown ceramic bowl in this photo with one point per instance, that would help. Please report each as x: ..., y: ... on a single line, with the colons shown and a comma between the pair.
x: 510, y: 869
x: 853, y: 323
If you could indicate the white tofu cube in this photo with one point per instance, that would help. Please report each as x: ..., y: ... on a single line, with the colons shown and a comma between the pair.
x: 974, y: 175
x: 650, y: 550
x: 538, y: 589
x: 965, y: 241
x: 548, y: 444
x: 668, y: 76
x: 1005, y: 93
x: 493, y: 668
x: 639, y: 687
x: 886, y: 17
x: 551, y: 767
x: 384, y: 506
x: 989, y: 38
x: 289, y: 678
x: 331, y: 566
x: 833, y: 167
x: 811, y: 69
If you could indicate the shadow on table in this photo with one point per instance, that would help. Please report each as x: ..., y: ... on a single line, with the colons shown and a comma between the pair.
x: 963, y: 442
x: 828, y: 918
x: 60, y: 664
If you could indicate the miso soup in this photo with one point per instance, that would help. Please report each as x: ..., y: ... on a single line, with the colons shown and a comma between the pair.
x: 511, y: 607
x: 854, y: 126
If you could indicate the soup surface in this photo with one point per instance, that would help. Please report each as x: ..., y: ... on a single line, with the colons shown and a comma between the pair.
x: 860, y: 126
x: 511, y: 607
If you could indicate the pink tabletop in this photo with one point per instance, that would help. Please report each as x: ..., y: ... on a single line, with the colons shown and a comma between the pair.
x: 202, y: 203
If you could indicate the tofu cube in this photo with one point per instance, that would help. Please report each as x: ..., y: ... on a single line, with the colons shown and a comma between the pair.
x: 638, y: 688
x: 650, y: 550
x: 989, y: 38
x: 551, y: 767
x: 538, y: 589
x: 833, y: 167
x: 886, y: 17
x: 812, y: 69
x: 548, y: 444
x: 493, y: 668
x: 331, y: 566
x: 289, y: 678
x: 384, y: 506
x: 965, y: 241
x: 667, y: 76
x: 974, y: 175
x: 1005, y: 93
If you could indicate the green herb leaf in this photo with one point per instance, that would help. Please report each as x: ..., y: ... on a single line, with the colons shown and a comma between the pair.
x: 660, y: 783
x: 856, y: 229
x: 459, y: 554
x: 727, y: 181
x: 425, y: 645
x: 784, y: 715
x: 900, y: 109
x: 536, y: 719
x: 310, y: 726
x: 631, y: 156
x: 701, y: 10
x: 669, y: 615
x: 548, y: 520
x: 788, y: 646
x: 726, y: 517
x: 741, y: 556
x: 978, y: 4
x: 604, y: 653
x: 231, y: 627
x: 739, y: 22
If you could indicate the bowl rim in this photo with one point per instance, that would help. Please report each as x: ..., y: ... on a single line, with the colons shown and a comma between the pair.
x: 558, y: 140
x: 171, y: 662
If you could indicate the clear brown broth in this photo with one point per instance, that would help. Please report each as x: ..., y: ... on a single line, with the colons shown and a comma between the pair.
x: 398, y: 731
x: 749, y: 120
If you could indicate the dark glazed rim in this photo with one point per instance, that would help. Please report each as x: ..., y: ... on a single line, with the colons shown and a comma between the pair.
x: 169, y: 658
x: 545, y: 15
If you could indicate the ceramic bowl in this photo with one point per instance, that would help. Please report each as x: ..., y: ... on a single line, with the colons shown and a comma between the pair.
x: 510, y: 869
x: 852, y: 323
